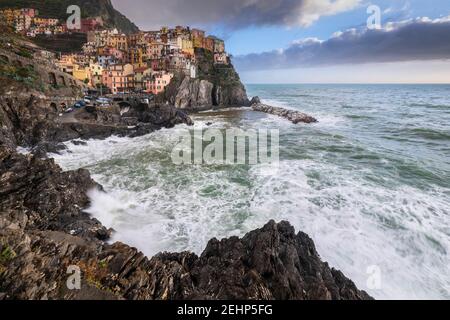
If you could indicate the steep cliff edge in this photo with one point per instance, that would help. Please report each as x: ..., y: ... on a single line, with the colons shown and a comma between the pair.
x: 216, y: 86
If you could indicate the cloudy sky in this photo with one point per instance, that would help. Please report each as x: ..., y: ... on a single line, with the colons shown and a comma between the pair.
x: 314, y: 41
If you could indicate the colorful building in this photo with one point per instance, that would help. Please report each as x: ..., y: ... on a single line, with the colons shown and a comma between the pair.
x: 81, y: 74
x: 187, y: 46
x: 139, y: 76
x: 96, y: 74
x: 198, y: 37
x: 157, y: 82
x: 119, y: 42
x: 119, y: 78
x: 208, y: 43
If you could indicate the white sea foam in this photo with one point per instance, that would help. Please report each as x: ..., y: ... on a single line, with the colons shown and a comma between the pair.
x: 354, y: 224
x: 23, y: 150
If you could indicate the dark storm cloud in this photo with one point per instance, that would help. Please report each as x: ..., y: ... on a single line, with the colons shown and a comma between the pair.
x: 233, y: 14
x: 420, y: 39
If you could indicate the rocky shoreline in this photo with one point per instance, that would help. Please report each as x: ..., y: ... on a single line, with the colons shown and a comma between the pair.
x: 45, y: 231
x: 29, y: 121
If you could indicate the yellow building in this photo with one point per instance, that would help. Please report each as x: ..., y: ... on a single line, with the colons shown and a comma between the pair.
x: 45, y: 22
x: 198, y: 37
x: 135, y: 56
x: 96, y: 74
x: 9, y: 16
x: 187, y: 46
x: 81, y: 74
x: 119, y: 42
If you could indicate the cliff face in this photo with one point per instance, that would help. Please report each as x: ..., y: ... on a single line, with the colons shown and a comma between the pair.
x: 216, y: 86
x: 89, y: 8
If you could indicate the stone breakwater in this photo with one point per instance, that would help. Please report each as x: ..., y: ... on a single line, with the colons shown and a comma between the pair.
x: 291, y: 115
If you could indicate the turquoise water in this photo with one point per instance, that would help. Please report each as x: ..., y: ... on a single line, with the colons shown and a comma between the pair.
x: 370, y: 183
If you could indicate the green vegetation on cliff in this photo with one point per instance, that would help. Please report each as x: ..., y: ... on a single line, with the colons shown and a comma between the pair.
x: 89, y: 8
x: 215, y: 73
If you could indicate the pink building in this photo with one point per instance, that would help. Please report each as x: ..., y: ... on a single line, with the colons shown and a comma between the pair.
x: 90, y: 25
x: 119, y: 78
x: 157, y: 82
x: 29, y: 12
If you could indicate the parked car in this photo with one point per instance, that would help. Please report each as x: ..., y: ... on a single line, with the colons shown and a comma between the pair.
x: 68, y: 110
x: 103, y: 101
x: 79, y: 104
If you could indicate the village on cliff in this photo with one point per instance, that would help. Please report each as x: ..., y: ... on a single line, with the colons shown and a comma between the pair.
x: 144, y: 62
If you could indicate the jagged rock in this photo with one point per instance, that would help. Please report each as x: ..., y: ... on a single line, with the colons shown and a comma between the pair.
x: 50, y: 198
x: 269, y: 263
x: 215, y: 87
x: 35, y: 123
x: 194, y: 94
x: 44, y: 230
x: 292, y: 115
x: 255, y: 100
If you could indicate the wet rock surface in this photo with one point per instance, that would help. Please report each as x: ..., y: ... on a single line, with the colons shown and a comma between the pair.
x: 291, y: 115
x: 32, y: 122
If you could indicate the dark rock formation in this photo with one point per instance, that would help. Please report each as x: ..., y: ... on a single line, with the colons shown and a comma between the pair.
x: 43, y: 231
x: 216, y: 86
x: 255, y: 100
x: 292, y: 115
x: 32, y: 122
